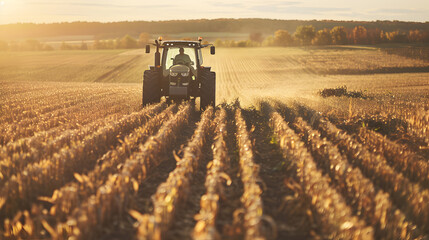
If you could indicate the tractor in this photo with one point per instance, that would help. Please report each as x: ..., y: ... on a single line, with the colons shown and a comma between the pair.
x: 179, y: 74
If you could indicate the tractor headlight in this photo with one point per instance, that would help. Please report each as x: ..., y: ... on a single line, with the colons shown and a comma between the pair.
x: 173, y: 74
x: 173, y: 83
x: 185, y: 74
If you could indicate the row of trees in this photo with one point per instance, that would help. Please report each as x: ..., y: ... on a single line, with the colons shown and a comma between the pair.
x: 306, y: 35
x: 112, y: 30
x: 126, y: 42
x: 339, y: 35
x: 303, y: 36
x: 27, y: 45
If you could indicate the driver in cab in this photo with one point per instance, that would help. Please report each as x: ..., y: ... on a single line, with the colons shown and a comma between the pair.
x: 182, y: 58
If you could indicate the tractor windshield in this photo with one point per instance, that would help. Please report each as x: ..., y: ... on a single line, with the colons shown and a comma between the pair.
x: 174, y: 57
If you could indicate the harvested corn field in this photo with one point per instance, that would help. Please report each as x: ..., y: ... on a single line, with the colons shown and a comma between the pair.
x: 86, y: 161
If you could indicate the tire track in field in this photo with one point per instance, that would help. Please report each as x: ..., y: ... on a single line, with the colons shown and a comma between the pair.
x: 115, y: 71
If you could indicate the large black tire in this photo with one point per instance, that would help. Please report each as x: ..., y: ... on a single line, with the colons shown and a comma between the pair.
x: 208, y: 89
x: 151, y: 88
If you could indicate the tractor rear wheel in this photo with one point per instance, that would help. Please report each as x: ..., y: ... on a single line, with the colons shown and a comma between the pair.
x: 151, y: 88
x: 208, y: 89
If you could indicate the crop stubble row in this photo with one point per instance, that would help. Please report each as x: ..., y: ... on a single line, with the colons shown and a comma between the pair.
x: 107, y: 187
x: 36, y: 179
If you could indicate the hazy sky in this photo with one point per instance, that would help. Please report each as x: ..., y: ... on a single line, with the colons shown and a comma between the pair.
x: 12, y: 11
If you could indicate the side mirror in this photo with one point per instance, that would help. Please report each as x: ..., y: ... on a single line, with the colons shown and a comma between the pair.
x: 147, y: 48
x: 212, y: 50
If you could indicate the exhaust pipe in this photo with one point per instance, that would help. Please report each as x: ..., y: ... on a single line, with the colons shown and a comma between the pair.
x: 157, y: 55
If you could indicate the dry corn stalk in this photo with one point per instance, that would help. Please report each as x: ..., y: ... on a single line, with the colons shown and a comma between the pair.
x: 402, y: 159
x: 43, y: 177
x: 374, y: 206
x: 62, y: 118
x: 249, y: 172
x: 113, y: 197
x: 337, y: 219
x: 410, y: 197
x: 170, y: 193
x: 415, y: 114
x: 15, y: 156
x: 205, y: 228
x: 71, y: 195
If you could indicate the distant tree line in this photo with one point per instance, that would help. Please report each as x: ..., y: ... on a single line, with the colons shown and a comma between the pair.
x: 114, y: 30
x: 338, y: 35
x: 27, y: 45
x: 126, y: 42
x: 303, y: 36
